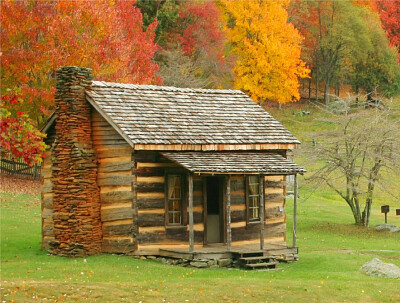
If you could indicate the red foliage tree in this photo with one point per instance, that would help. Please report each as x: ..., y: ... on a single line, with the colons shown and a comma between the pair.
x: 201, y: 37
x: 40, y: 36
x: 19, y: 138
x: 389, y: 11
x: 201, y: 30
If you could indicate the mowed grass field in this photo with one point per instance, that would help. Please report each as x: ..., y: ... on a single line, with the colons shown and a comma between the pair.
x: 331, y: 251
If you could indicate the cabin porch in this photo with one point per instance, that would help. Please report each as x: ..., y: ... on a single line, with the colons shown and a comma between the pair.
x: 219, y: 251
x: 245, y: 256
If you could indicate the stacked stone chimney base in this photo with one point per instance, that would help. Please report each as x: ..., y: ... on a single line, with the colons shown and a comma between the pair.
x: 76, y: 197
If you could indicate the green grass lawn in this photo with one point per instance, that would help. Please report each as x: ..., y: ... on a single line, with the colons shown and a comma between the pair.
x: 332, y: 249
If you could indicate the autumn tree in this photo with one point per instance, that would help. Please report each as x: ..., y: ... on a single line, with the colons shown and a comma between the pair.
x: 355, y: 157
x: 344, y: 43
x: 267, y: 48
x: 181, y: 70
x: 203, y: 39
x: 191, y: 30
x: 39, y: 36
x: 378, y: 70
x: 19, y: 139
x: 340, y: 36
x: 389, y: 11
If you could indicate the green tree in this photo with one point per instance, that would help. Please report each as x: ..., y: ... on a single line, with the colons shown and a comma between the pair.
x: 342, y: 39
x: 378, y: 70
x: 166, y: 12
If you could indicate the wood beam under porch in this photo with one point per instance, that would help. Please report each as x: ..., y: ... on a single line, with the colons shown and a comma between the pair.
x: 220, y: 251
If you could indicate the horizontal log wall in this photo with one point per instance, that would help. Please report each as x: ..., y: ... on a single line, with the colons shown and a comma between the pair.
x: 275, y: 218
x: 241, y: 230
x: 47, y: 202
x: 115, y: 179
x: 151, y: 169
x: 275, y: 214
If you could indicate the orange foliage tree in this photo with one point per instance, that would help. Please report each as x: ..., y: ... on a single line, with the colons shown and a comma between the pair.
x: 40, y: 36
x: 268, y: 50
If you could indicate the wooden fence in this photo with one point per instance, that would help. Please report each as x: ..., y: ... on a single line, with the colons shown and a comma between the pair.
x: 20, y: 169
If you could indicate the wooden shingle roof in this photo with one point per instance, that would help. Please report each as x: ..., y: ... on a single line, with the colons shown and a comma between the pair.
x: 235, y: 162
x: 147, y: 114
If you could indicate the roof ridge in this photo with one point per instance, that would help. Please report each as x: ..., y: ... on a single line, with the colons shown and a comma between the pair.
x: 164, y: 88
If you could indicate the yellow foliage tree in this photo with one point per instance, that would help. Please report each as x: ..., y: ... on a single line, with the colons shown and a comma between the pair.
x: 267, y: 47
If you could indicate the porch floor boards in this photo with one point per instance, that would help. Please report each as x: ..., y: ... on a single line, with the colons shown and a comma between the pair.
x: 220, y: 251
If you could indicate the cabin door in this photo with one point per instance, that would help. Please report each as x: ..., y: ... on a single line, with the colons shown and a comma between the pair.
x: 214, y: 213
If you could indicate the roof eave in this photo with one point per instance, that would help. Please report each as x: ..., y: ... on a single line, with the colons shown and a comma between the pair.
x: 49, y: 123
x: 109, y: 120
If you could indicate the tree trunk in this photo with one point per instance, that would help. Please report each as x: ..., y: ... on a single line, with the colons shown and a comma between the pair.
x: 357, y: 92
x: 316, y: 87
x: 355, y: 211
x: 357, y: 216
x: 326, y: 94
x: 370, y: 192
x: 337, y: 89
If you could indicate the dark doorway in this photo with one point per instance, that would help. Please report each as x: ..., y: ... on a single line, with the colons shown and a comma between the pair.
x: 214, y: 207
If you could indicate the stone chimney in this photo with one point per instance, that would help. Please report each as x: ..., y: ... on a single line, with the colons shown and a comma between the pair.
x: 76, y: 200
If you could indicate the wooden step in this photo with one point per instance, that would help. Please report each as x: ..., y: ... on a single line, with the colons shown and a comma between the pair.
x: 254, y: 258
x: 266, y: 264
x: 253, y: 254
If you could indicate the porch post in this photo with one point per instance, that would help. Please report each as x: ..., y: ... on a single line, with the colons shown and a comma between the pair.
x: 295, y: 210
x: 191, y: 230
x: 228, y: 212
x: 262, y: 208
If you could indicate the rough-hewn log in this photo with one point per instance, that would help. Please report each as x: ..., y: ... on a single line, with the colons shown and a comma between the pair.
x: 151, y: 203
x: 275, y: 230
x: 113, y: 152
x: 118, y: 228
x: 238, y: 215
x: 115, y: 179
x: 274, y: 212
x: 151, y: 219
x: 116, y: 213
x: 114, y: 166
x: 116, y: 197
x: 119, y: 245
x: 170, y: 236
x: 274, y: 184
x: 150, y: 188
x: 246, y: 232
x: 278, y: 197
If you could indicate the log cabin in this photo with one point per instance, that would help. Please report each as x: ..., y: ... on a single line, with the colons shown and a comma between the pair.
x: 155, y: 170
